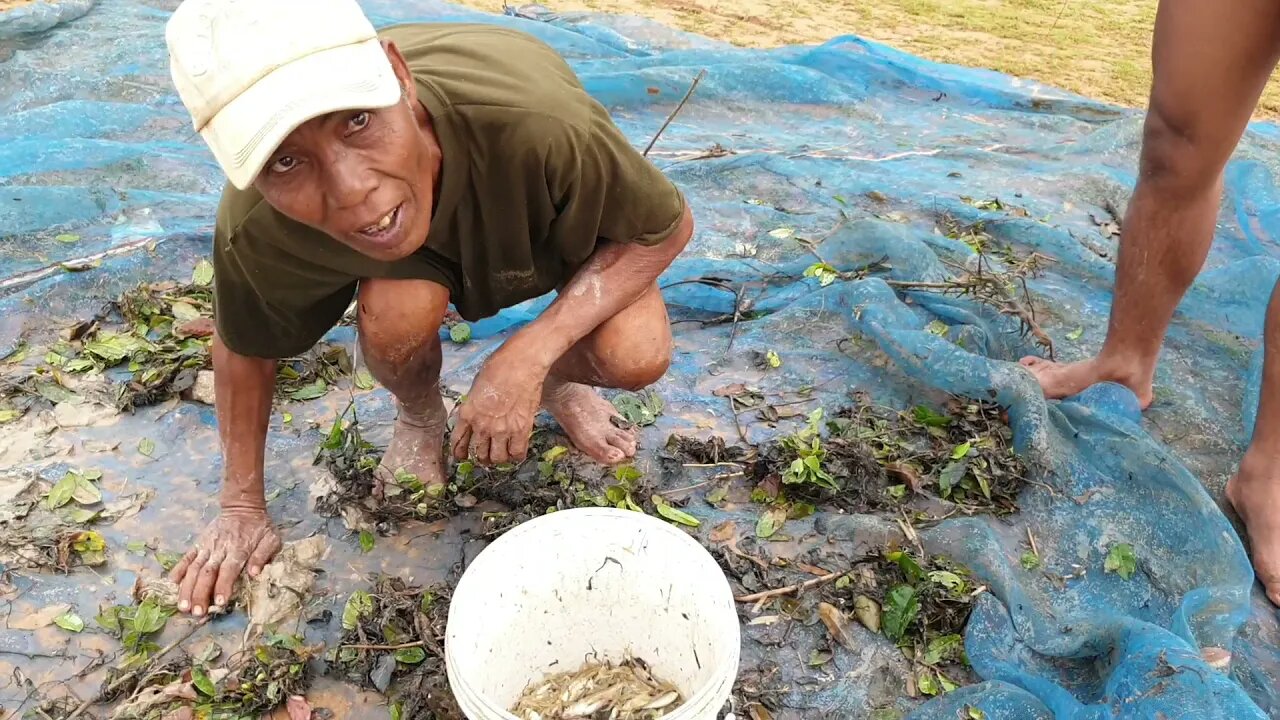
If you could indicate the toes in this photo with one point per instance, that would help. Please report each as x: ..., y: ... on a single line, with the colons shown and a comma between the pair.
x: 625, y: 442
x: 1031, y: 361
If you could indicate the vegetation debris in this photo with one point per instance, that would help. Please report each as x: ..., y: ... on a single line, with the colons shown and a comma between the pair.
x: 627, y: 690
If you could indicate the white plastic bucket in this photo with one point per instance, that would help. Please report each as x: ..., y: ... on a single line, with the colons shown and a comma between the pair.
x: 591, y: 583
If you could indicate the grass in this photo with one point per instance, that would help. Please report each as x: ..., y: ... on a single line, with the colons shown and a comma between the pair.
x: 1098, y: 48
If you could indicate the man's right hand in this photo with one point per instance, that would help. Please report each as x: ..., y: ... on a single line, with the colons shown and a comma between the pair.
x: 207, y: 574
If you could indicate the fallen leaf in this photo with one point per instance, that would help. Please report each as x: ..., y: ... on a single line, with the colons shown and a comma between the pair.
x: 1121, y: 560
x: 69, y: 621
x: 146, y: 447
x: 201, y: 327
x: 460, y: 333
x: 203, y: 274
x: 730, y: 390
x: 868, y: 612
x: 835, y: 622
x: 724, y: 532
x: 782, y: 233
x: 37, y: 620
x: 67, y: 238
x: 1075, y: 334
x: 283, y: 588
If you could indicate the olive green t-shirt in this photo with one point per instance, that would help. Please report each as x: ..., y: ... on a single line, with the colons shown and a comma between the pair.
x: 534, y: 175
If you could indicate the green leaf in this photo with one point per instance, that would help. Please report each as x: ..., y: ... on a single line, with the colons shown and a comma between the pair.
x: 184, y: 312
x: 428, y: 599
x: 167, y: 560
x: 200, y: 679
x: 976, y: 713
x: 114, y: 348
x: 149, y: 618
x: 897, y: 492
x: 639, y: 409
x: 85, y: 492
x: 948, y: 580
x: 782, y: 233
x: 61, y: 492
x: 1075, y: 334
x: 826, y: 274
x: 69, y: 621
x: 1121, y: 560
x: 364, y: 379
x: 396, y: 712
x: 929, y: 418
x: 900, y: 609
x: 626, y: 474
x: 951, y: 476
x: 910, y: 568
x: 674, y: 514
x: 366, y: 541
x: 961, y: 450
x: 310, y: 391
x: 8, y: 415
x: 88, y: 542
x: 286, y: 418
x: 717, y: 496
x: 927, y: 683
x: 939, y: 328
x: 555, y: 453
x: 773, y: 359
x: 109, y: 618
x: 411, y: 656
x: 203, y: 274
x: 137, y: 547
x: 55, y: 393
x: 1030, y: 560
x: 460, y: 333
x: 358, y: 607
x: 146, y: 446
x: 800, y: 510
x: 770, y: 522
x: 67, y: 238
x: 947, y: 647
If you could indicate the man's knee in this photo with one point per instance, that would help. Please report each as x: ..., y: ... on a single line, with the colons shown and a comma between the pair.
x: 1178, y: 155
x: 399, y: 318
x: 638, y: 368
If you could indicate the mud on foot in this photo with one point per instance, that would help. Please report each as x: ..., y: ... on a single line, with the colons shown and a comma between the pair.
x: 417, y: 448
x: 1062, y: 380
x: 1255, y: 494
x: 587, y: 419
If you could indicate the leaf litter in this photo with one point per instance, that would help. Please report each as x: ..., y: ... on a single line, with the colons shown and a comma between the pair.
x: 627, y: 690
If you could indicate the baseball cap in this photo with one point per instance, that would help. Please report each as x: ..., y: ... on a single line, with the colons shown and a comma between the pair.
x: 251, y: 71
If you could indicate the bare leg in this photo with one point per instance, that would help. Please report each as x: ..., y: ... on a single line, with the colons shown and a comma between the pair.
x: 1255, y: 490
x: 630, y: 351
x: 399, y: 324
x: 1212, y: 60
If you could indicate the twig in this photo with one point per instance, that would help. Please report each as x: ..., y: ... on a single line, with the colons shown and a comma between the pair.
x: 798, y: 587
x: 1060, y: 11
x: 695, y: 486
x: 416, y: 643
x: 1032, y: 538
x: 134, y: 673
x: 697, y: 79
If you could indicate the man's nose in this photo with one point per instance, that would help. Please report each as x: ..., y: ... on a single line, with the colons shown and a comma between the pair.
x: 350, y: 180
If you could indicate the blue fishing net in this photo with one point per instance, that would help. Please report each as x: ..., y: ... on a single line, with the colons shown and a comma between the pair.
x: 861, y: 152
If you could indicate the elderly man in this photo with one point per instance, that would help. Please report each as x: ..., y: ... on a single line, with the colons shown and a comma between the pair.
x: 1212, y: 61
x: 428, y: 165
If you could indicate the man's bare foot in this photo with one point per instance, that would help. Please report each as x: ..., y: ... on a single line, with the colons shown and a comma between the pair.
x: 586, y: 418
x: 1255, y: 494
x: 417, y: 448
x: 1062, y: 380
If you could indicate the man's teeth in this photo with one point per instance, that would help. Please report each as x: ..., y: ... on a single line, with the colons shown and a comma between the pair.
x: 384, y: 223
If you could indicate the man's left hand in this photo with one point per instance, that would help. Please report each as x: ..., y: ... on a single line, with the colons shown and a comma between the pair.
x: 496, y: 419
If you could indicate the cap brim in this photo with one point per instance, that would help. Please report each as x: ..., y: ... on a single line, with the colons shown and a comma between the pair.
x: 247, y: 131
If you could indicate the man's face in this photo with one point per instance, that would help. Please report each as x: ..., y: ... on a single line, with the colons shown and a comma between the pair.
x: 364, y: 177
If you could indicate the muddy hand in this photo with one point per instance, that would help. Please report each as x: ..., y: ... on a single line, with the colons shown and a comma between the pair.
x: 207, y: 574
x: 496, y: 419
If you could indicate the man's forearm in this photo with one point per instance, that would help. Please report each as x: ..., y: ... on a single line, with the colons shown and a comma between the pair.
x: 244, y: 387
x: 615, y: 276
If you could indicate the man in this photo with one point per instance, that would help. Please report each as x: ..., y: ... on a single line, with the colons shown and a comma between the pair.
x: 435, y: 164
x: 1212, y: 61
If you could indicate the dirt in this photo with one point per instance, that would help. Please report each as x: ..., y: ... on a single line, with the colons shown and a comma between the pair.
x: 11, y: 4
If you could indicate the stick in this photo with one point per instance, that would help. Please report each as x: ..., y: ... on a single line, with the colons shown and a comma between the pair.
x: 416, y: 643
x: 697, y: 79
x: 766, y: 594
x: 134, y: 673
x: 695, y: 486
x: 1032, y: 538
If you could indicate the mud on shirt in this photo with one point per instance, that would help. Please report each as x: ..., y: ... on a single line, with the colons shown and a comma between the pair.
x: 534, y: 175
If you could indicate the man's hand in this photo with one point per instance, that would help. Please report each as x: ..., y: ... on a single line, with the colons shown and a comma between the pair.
x: 496, y: 420
x: 209, y: 570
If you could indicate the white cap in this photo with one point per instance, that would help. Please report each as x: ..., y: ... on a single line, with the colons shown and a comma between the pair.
x: 251, y: 71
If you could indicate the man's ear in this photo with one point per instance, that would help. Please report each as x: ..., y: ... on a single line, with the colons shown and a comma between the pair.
x: 401, y: 68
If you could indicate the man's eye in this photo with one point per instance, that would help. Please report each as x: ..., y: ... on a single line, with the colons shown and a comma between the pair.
x: 359, y: 120
x: 283, y: 164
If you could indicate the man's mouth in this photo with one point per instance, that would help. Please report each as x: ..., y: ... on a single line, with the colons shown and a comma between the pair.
x: 387, y: 230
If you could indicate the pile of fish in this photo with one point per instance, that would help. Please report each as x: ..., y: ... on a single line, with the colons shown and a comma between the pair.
x: 599, y: 691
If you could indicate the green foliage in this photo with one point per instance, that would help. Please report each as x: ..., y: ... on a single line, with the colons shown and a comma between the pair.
x: 1121, y: 560
x: 807, y: 467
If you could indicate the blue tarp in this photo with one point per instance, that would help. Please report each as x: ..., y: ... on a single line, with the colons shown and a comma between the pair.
x: 859, y: 147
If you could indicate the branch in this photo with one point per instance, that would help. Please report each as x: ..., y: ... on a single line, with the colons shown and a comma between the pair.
x: 697, y: 79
